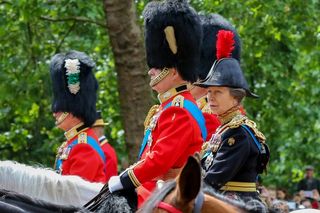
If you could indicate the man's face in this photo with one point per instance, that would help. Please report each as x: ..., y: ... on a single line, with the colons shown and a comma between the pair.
x: 165, y: 84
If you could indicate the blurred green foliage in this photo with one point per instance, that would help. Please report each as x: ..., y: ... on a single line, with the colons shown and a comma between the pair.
x: 31, y: 32
x: 280, y: 57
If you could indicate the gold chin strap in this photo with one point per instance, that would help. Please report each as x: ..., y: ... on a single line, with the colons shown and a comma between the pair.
x: 61, y: 118
x: 164, y: 72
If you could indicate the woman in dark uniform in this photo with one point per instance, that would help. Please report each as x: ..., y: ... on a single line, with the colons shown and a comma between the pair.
x: 236, y: 153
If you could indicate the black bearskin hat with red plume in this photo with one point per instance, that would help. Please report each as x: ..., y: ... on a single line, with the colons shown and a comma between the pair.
x: 211, y: 24
x: 226, y: 71
x: 74, y: 85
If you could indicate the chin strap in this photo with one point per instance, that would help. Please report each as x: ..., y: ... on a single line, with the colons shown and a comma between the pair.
x: 61, y: 118
x: 164, y: 72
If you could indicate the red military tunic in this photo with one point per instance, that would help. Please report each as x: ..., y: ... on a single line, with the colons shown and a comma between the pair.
x: 111, y: 158
x: 175, y: 136
x: 81, y: 159
x: 212, y: 122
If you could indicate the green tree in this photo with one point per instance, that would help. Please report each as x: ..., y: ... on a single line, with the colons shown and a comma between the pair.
x: 280, y: 57
x: 31, y: 32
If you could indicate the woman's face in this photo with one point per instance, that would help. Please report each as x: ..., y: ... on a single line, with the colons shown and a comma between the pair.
x: 220, y: 99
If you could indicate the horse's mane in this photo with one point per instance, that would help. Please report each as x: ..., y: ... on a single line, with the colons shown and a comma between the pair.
x: 157, y: 196
x: 46, y: 184
x: 117, y: 202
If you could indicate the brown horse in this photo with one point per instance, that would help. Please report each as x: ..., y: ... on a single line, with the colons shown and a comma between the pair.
x: 185, y: 195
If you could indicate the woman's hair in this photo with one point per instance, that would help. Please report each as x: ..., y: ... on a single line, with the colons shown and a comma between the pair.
x: 238, y: 93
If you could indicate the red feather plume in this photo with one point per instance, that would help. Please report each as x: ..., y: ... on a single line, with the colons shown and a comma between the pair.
x: 225, y: 44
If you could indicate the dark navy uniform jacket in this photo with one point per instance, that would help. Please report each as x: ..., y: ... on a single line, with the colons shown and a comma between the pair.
x: 232, y: 154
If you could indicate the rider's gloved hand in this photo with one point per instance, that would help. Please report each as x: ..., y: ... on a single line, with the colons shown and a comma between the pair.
x: 123, y: 181
x: 115, y: 184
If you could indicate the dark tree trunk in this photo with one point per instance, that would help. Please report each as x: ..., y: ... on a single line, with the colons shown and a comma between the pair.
x: 133, y: 83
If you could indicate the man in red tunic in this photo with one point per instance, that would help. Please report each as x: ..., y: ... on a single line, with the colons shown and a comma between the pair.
x: 175, y: 129
x: 109, y: 152
x: 74, y: 108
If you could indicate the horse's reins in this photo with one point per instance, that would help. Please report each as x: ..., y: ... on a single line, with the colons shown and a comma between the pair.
x: 171, y: 209
x: 94, y: 203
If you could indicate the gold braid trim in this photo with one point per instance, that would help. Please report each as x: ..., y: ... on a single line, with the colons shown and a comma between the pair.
x: 152, y: 111
x: 240, y: 119
x: 229, y: 114
x: 133, y: 178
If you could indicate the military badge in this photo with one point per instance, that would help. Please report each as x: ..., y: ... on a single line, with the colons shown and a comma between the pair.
x: 149, y: 140
x: 82, y: 138
x: 231, y: 141
x: 178, y: 101
x: 208, y: 161
x: 65, y: 153
x: 214, y: 142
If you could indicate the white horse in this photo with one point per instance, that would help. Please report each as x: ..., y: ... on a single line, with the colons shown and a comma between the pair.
x: 46, y: 184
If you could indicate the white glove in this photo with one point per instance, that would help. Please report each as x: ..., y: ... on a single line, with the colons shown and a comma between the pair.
x: 115, y: 184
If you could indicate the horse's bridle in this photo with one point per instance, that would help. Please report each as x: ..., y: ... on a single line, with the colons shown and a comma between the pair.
x: 171, y: 209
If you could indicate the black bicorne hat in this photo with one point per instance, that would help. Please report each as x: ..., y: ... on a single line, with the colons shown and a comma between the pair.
x: 211, y: 24
x: 74, y: 85
x: 173, y: 37
x: 227, y: 72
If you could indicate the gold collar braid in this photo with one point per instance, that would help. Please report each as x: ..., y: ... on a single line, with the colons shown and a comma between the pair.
x: 75, y: 131
x: 229, y: 115
x: 163, y: 97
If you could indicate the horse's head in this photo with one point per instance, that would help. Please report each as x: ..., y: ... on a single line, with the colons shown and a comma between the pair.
x: 185, y: 194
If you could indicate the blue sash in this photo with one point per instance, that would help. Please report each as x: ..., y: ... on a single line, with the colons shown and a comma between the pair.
x: 92, y: 142
x: 253, y: 137
x: 196, y: 114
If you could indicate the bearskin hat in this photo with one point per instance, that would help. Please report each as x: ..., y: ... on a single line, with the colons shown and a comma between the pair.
x: 211, y: 24
x: 74, y: 85
x: 180, y: 47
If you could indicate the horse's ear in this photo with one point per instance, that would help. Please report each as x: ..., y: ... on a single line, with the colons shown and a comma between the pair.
x: 189, y: 181
x: 197, y: 157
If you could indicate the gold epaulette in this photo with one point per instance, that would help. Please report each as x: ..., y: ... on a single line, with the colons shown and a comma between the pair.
x: 178, y: 101
x: 201, y: 102
x: 206, y: 109
x: 153, y: 110
x: 243, y: 120
x: 252, y: 125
